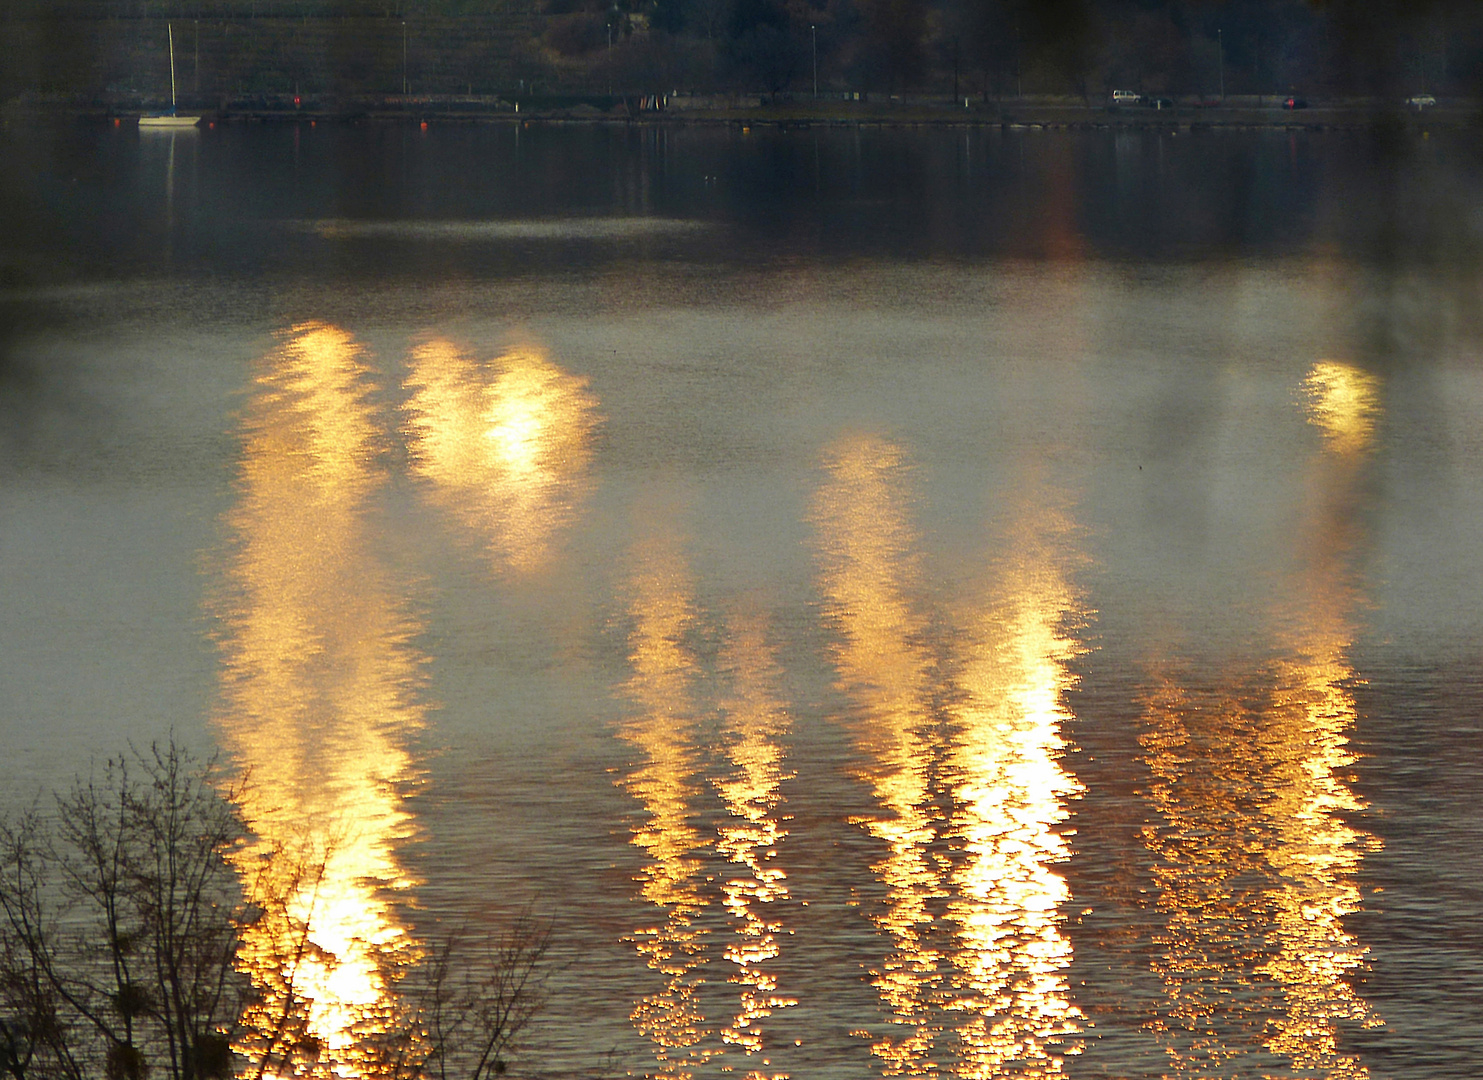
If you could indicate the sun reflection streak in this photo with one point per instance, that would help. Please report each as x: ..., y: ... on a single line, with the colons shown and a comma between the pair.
x: 1319, y: 853
x: 320, y: 689
x: 506, y: 447
x: 868, y: 564
x: 1257, y: 863
x: 1318, y: 858
x: 755, y: 725
x: 1343, y: 402
x: 1010, y: 793
x: 666, y: 780
x: 1209, y: 834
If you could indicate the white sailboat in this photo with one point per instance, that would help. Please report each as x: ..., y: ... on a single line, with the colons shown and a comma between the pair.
x: 169, y: 119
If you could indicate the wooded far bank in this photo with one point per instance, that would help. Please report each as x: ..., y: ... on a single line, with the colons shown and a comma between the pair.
x: 984, y: 50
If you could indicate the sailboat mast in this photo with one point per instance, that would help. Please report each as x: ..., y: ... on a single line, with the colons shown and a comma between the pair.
x: 171, y: 29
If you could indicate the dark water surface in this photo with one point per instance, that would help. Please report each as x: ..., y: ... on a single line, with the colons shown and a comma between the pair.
x: 905, y: 602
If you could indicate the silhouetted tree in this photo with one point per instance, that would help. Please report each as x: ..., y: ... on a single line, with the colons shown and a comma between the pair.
x: 762, y: 45
x: 122, y: 920
x: 894, y: 46
x: 984, y: 40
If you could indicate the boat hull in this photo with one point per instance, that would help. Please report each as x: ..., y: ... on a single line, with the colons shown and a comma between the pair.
x: 169, y: 121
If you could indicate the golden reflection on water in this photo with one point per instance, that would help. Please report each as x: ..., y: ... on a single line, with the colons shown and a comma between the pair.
x: 1317, y: 857
x: 667, y: 780
x: 1209, y: 839
x: 1343, y: 402
x: 320, y: 691
x: 1010, y: 792
x: 1255, y: 862
x: 1318, y: 854
x: 867, y: 569
x: 756, y: 723
x: 505, y: 446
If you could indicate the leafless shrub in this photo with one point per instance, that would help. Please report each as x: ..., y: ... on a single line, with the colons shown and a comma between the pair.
x: 475, y: 996
x: 118, y: 916
x: 273, y: 1030
x: 126, y: 938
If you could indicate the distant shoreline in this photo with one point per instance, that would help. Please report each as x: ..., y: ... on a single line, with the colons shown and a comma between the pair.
x: 795, y: 114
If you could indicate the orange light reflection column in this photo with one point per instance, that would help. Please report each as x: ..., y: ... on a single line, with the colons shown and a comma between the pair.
x: 1010, y: 793
x: 867, y: 551
x: 666, y: 779
x: 320, y: 692
x: 755, y: 725
x: 505, y: 446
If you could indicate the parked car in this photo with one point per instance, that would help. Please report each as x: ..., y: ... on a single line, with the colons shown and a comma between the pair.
x: 1421, y: 101
x: 1126, y: 97
x: 1159, y: 102
x: 1295, y: 103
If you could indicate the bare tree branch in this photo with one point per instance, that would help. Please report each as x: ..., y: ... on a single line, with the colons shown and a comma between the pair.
x: 129, y: 948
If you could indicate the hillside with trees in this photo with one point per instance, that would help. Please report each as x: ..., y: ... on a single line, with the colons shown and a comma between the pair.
x: 230, y: 49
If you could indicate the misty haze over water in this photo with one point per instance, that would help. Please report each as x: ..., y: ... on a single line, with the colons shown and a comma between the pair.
x: 905, y: 602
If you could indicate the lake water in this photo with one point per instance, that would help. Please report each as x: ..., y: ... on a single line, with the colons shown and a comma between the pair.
x: 904, y: 602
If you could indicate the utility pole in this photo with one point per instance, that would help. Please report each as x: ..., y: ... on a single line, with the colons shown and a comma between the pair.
x: 404, y: 58
x: 1220, y: 39
x: 814, y: 31
x: 610, y: 59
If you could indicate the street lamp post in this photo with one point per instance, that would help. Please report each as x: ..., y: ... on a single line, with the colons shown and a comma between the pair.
x: 1019, y: 85
x: 610, y: 59
x: 1220, y: 39
x: 814, y: 32
x: 404, y: 58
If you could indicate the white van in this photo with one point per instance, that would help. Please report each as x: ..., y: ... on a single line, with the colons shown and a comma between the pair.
x: 1125, y: 97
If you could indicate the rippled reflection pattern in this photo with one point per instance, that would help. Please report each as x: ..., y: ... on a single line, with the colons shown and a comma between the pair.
x: 1344, y: 404
x: 1208, y: 835
x: 1256, y: 864
x: 1009, y: 791
x: 1319, y: 852
x: 666, y: 780
x: 320, y: 690
x: 505, y: 446
x: 868, y: 567
x: 756, y: 723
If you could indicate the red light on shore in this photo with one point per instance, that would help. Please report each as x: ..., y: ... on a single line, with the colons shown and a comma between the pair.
x: 424, y: 125
x: 115, y: 121
x: 296, y: 101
